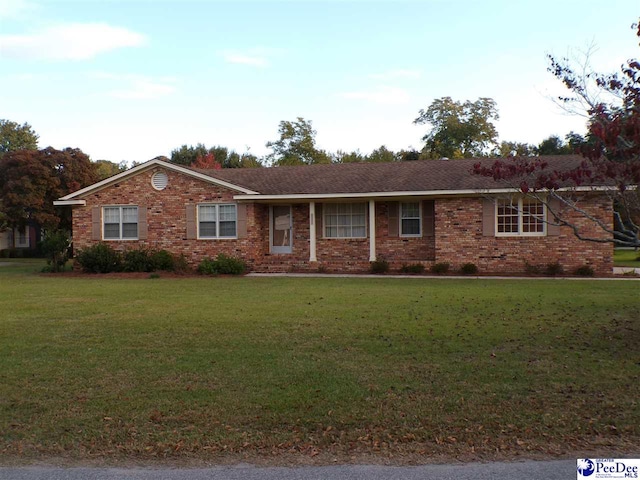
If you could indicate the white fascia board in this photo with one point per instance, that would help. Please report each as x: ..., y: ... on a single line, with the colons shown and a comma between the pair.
x: 145, y: 166
x: 64, y: 203
x: 410, y: 193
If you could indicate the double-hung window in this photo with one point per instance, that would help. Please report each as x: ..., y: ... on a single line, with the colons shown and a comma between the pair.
x: 410, y: 224
x: 345, y: 220
x: 520, y: 216
x: 217, y: 221
x: 120, y: 222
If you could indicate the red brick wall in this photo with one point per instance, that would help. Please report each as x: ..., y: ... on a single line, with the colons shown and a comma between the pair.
x: 459, y: 240
x: 458, y: 234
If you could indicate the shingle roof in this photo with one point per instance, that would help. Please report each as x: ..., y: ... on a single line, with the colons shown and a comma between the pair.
x: 351, y: 178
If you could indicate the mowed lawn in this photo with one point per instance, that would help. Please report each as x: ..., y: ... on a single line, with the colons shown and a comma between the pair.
x: 232, y: 368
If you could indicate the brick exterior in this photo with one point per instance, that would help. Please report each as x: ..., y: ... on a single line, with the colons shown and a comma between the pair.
x: 458, y: 235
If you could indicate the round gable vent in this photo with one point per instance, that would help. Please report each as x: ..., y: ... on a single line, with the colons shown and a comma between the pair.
x: 159, y: 180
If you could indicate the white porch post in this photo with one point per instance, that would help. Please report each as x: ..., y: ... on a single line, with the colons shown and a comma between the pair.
x: 372, y: 230
x: 312, y: 232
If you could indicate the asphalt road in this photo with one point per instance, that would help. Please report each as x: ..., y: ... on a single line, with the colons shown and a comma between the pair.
x: 530, y: 470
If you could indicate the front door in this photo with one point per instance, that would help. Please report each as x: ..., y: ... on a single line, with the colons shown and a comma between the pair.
x: 281, y: 228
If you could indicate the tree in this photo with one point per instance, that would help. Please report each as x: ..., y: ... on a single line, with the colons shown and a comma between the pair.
x: 510, y: 149
x: 352, y: 157
x: 611, y: 154
x: 207, y: 162
x: 30, y: 180
x: 297, y: 145
x: 459, y: 130
x: 187, y: 154
x: 105, y: 168
x: 15, y: 137
x: 381, y: 155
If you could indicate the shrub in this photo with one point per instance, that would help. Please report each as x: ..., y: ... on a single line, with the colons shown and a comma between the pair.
x: 163, y: 260
x: 379, y: 266
x: 138, y: 260
x: 553, y: 269
x: 440, y: 268
x: 413, y: 268
x: 55, y: 245
x: 222, y: 265
x: 469, y: 269
x: 584, y: 271
x: 532, y: 269
x: 99, y: 258
x: 230, y: 265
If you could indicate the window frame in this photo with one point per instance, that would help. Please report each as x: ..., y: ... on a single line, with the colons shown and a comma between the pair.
x: 21, y: 234
x: 338, y: 226
x: 401, y: 218
x: 217, y: 235
x: 121, y: 223
x: 518, y: 203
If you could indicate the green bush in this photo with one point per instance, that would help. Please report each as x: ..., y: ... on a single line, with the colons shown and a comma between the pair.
x: 584, y: 271
x: 138, y: 260
x: 553, y: 269
x: 100, y: 258
x: 222, y: 265
x: 55, y: 246
x: 379, y: 266
x: 532, y: 269
x: 440, y: 268
x: 469, y: 269
x: 163, y: 260
x: 413, y: 268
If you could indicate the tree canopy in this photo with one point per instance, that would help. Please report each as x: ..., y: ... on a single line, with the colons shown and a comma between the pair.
x: 30, y: 180
x: 14, y: 137
x: 189, y: 155
x: 459, y: 130
x: 296, y: 145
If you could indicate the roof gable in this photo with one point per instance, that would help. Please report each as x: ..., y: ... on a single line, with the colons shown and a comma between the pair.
x: 146, y: 166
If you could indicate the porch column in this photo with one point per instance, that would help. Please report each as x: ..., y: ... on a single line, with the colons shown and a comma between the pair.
x: 372, y: 230
x: 312, y: 232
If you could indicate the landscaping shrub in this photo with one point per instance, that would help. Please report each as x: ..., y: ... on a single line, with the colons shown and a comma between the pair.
x: 532, y: 269
x: 55, y: 246
x: 163, y: 260
x: 138, y: 260
x: 440, y: 268
x: 99, y: 258
x: 379, y: 266
x: 584, y: 271
x: 222, y: 265
x: 469, y: 269
x: 413, y: 268
x: 553, y: 269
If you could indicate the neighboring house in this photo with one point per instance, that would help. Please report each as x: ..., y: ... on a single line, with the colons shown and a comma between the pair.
x: 25, y: 238
x: 336, y: 218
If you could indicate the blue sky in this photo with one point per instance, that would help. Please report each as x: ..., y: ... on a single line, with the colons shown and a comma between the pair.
x: 130, y: 80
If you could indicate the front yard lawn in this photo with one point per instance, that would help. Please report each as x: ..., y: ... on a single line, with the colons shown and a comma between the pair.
x: 626, y: 258
x: 226, y: 369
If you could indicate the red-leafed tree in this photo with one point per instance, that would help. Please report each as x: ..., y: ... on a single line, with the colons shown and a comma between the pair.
x: 30, y: 180
x: 611, y: 155
x: 207, y: 161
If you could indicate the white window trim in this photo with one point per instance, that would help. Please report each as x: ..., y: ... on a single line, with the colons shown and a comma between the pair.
x: 120, y: 238
x: 217, y: 237
x: 406, y: 235
x: 518, y: 203
x: 325, y: 226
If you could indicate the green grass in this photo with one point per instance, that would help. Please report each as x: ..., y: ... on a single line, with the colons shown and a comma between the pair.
x: 201, y: 367
x: 626, y: 258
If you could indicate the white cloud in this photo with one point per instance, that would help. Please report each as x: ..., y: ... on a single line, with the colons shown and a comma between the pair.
x: 73, y: 41
x: 15, y: 8
x: 397, y: 74
x: 137, y: 87
x: 254, y: 57
x: 385, y: 95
